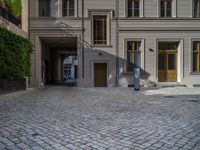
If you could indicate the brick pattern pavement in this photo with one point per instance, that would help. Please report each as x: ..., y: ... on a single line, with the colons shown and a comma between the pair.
x: 62, y: 118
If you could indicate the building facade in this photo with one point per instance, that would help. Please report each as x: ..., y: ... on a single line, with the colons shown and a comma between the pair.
x: 106, y: 36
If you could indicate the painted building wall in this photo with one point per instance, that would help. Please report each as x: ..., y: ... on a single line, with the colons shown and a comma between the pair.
x: 149, y: 29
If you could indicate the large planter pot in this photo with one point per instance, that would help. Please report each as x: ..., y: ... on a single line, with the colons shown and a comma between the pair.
x: 13, y: 84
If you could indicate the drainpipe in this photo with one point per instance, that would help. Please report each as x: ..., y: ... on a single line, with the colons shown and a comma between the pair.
x: 117, y: 43
x: 83, y: 36
x: 29, y: 78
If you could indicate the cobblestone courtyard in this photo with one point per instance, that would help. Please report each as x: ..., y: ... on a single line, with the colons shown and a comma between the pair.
x: 60, y: 118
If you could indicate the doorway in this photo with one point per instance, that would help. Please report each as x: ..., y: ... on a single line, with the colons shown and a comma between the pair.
x: 167, y: 61
x: 69, y: 70
x: 100, y: 74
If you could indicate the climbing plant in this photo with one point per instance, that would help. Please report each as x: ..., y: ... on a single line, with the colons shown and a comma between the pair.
x: 15, y: 7
x: 15, y: 55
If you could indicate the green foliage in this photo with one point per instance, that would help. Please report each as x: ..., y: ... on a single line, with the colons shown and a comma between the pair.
x: 15, y: 55
x: 15, y: 7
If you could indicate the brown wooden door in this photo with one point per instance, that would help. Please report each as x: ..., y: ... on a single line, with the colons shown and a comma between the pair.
x: 100, y: 74
x: 167, y: 66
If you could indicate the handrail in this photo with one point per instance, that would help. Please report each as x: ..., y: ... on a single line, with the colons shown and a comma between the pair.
x: 8, y: 16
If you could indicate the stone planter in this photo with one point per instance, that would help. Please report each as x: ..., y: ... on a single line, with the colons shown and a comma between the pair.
x: 13, y: 84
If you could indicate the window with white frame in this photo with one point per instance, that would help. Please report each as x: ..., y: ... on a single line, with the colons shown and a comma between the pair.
x: 166, y: 8
x: 133, y: 8
x: 68, y: 8
x: 196, y: 8
x: 133, y: 55
x: 44, y: 8
x: 196, y: 56
x: 99, y: 29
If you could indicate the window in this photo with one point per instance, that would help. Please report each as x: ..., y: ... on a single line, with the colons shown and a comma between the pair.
x: 133, y: 55
x: 68, y: 8
x: 196, y: 56
x: 197, y: 8
x: 100, y: 29
x: 133, y: 8
x: 44, y: 8
x: 166, y: 8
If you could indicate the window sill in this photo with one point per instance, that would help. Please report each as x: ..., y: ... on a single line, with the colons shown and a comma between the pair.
x: 106, y: 46
x: 194, y: 73
x: 133, y: 17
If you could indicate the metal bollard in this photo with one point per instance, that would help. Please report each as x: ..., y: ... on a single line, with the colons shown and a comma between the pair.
x: 137, y: 79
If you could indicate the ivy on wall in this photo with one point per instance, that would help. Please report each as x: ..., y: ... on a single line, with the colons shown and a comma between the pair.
x: 15, y: 55
x: 15, y: 7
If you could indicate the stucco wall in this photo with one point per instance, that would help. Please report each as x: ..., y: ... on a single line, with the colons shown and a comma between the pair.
x: 150, y: 28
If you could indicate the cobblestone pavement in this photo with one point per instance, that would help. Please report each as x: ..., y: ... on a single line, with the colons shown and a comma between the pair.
x: 63, y: 118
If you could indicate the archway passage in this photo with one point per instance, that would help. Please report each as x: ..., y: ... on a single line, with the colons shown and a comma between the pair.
x: 69, y: 69
x: 59, y: 60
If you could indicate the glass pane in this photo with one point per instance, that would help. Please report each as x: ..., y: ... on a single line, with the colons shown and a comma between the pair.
x: 136, y: 13
x: 130, y: 8
x: 130, y: 61
x: 129, y: 45
x: 195, y: 62
x: 130, y: 13
x: 168, y: 45
x: 161, y: 60
x: 71, y: 12
x: 136, y: 4
x: 171, y: 61
x: 196, y: 8
x: 100, y: 29
x: 169, y: 8
x: 162, y: 9
x: 44, y: 7
x: 71, y: 4
x: 195, y: 46
x: 133, y: 55
x: 68, y: 7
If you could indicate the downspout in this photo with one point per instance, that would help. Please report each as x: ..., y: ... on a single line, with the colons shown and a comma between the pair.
x: 117, y: 43
x: 29, y: 78
x: 83, y: 37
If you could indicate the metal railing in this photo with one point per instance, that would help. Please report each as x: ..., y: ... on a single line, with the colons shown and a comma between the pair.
x: 8, y: 16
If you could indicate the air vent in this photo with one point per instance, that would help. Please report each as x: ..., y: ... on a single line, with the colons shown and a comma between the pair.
x: 196, y: 85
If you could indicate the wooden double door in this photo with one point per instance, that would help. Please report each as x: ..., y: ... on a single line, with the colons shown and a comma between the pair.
x: 167, y: 65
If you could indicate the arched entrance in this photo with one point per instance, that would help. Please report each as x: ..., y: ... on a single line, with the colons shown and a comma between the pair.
x: 59, y: 61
